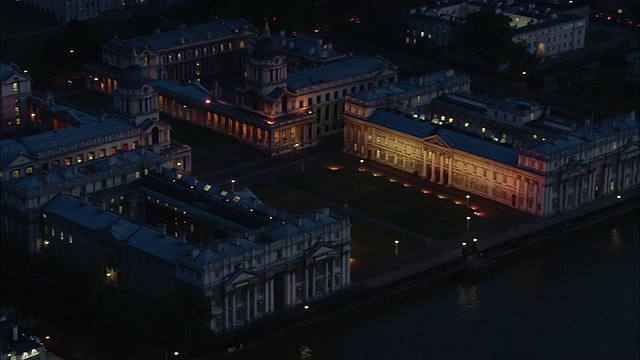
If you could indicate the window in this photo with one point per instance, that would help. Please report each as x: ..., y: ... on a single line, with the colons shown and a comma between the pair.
x: 16, y: 86
x: 327, y: 96
x: 79, y: 158
x: 113, y: 150
x: 309, y: 101
x: 102, y: 153
x: 67, y: 161
x: 15, y: 174
x: 318, y: 99
x: 29, y: 170
x: 91, y: 155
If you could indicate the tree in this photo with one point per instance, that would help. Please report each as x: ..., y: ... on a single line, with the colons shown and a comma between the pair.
x: 484, y: 40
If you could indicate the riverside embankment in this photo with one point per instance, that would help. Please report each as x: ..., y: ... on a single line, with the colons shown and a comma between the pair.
x: 438, y: 270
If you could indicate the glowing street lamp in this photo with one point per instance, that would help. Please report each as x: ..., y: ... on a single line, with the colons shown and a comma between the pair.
x: 468, y: 218
x: 468, y: 196
x: 361, y: 164
x: 475, y: 246
x: 397, y: 242
x: 233, y: 184
x: 464, y: 251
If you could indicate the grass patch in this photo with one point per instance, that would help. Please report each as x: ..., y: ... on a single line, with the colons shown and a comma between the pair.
x: 279, y: 199
x: 93, y: 101
x: 423, y: 213
x: 342, y: 185
x: 371, y: 240
x: 193, y: 135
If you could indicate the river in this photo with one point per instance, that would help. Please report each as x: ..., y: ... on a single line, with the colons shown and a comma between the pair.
x: 577, y: 298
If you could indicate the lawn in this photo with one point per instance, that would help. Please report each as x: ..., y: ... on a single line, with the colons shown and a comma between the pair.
x: 423, y: 213
x: 371, y: 240
x: 341, y: 185
x: 92, y: 101
x: 193, y: 135
x: 279, y: 199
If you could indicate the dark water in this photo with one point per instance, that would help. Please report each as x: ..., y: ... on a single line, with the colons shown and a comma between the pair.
x: 575, y: 299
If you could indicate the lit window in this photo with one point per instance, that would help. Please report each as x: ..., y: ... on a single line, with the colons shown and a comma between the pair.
x: 67, y: 161
x: 15, y: 174
x: 102, y: 153
x: 79, y: 158
x: 16, y: 87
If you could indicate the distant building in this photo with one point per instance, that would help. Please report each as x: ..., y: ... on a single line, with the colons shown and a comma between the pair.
x: 256, y: 261
x: 215, y: 50
x: 16, y: 88
x: 510, y: 152
x: 67, y: 10
x: 545, y: 29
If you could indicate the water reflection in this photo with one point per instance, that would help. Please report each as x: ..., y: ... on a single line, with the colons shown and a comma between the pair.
x: 468, y: 296
x: 305, y: 352
x: 614, y: 239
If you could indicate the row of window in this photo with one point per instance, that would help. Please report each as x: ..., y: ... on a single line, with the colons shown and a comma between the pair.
x: 199, y: 52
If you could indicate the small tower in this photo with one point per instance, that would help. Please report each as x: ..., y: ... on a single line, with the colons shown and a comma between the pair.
x: 266, y: 68
x: 135, y: 98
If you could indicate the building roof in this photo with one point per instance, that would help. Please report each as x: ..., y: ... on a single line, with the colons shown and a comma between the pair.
x: 144, y: 239
x: 8, y: 70
x: 349, y: 67
x: 456, y: 140
x: 51, y: 143
x: 184, y: 36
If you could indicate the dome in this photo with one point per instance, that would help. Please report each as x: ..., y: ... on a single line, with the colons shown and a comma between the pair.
x: 265, y: 49
x: 134, y: 77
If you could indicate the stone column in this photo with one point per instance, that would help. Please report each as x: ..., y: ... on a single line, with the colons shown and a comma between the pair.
x: 255, y: 301
x: 441, y: 169
x: 247, y: 304
x: 433, y: 166
x: 326, y: 276
x: 226, y: 311
x: 313, y: 280
x: 306, y: 283
x: 233, y: 309
x: 450, y: 176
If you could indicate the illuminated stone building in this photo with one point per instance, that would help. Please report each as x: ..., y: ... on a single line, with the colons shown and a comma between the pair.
x: 540, y: 166
x: 94, y: 154
x: 543, y: 29
x: 16, y: 89
x: 258, y: 261
x: 215, y: 50
x: 275, y: 111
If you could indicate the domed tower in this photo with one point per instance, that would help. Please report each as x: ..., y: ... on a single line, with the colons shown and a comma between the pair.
x: 135, y: 98
x: 266, y: 68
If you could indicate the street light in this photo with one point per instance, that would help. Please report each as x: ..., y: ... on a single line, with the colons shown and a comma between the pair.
x: 464, y: 251
x: 397, y: 242
x: 475, y: 246
x: 468, y: 196
x: 468, y: 218
x: 233, y: 183
x: 361, y: 164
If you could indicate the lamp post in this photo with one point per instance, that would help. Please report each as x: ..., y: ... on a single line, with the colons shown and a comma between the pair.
x: 361, y: 164
x: 233, y: 187
x: 464, y: 251
x: 468, y: 218
x: 397, y: 242
x: 468, y: 196
x: 475, y: 246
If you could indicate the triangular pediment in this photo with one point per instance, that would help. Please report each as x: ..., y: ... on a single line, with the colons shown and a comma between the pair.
x: 20, y: 160
x: 435, y: 139
x: 240, y: 277
x: 319, y: 250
